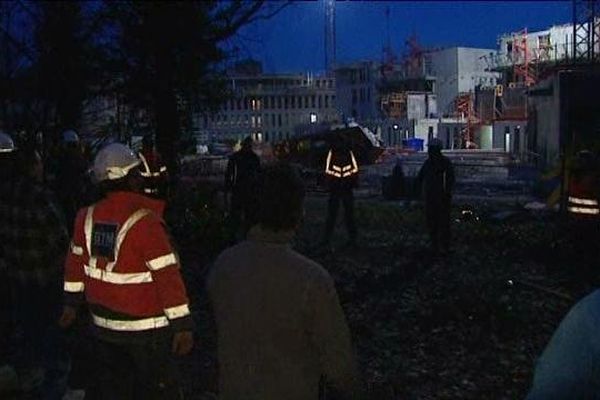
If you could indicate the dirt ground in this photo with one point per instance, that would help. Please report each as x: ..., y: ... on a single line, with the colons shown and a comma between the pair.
x: 468, y: 326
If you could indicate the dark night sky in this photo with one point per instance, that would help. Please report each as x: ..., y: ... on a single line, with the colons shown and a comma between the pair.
x: 293, y: 40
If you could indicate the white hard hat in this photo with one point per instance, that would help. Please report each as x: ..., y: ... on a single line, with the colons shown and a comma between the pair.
x: 114, y: 161
x: 6, y: 143
x: 70, y: 136
x: 435, y: 142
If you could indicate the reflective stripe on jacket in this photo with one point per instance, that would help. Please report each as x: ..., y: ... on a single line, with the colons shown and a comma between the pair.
x: 140, y: 288
x: 581, y: 201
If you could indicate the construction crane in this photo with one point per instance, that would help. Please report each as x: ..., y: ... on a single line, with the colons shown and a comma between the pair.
x: 330, y: 43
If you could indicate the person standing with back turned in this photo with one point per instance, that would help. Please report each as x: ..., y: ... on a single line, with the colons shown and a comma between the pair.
x: 279, y: 321
x: 436, y: 178
x: 122, y: 261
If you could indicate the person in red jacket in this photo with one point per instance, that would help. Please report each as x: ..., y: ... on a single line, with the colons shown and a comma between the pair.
x: 154, y: 171
x: 122, y: 262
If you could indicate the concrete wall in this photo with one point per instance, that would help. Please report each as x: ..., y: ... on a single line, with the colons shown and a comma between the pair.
x: 449, y: 132
x: 545, y: 130
x: 459, y: 69
x: 424, y: 128
x: 444, y: 66
x: 356, y: 90
x: 509, y: 136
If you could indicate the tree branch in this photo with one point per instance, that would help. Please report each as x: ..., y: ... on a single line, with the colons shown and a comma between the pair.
x: 244, y: 17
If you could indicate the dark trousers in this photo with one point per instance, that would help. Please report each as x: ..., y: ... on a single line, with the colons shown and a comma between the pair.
x: 346, y: 197
x: 42, y: 343
x: 437, y: 214
x: 243, y: 213
x: 140, y: 371
x: 6, y: 319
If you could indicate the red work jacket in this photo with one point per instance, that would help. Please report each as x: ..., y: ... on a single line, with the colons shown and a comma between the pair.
x: 122, y: 260
x: 583, y: 201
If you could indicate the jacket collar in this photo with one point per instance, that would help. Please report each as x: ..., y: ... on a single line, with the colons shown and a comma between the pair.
x: 136, y: 200
x: 261, y: 234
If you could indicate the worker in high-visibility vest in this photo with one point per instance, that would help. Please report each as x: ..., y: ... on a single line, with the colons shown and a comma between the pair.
x: 341, y: 172
x: 582, y: 200
x: 122, y: 263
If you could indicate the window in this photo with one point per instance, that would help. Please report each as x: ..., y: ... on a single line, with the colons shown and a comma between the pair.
x: 266, y: 102
x: 313, y: 118
x: 285, y: 102
x: 273, y: 120
x: 306, y: 102
x: 279, y: 120
x: 245, y: 103
x: 354, y: 96
x: 429, y: 133
x: 320, y: 101
x: 313, y: 101
x: 362, y: 95
x: 293, y: 102
x: 279, y: 102
x: 266, y: 136
x: 326, y: 101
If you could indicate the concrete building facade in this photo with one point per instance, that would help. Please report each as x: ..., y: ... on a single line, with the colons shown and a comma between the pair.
x: 269, y: 108
x: 458, y: 70
x: 357, y: 90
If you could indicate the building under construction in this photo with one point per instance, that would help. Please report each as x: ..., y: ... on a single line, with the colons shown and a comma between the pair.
x: 544, y: 103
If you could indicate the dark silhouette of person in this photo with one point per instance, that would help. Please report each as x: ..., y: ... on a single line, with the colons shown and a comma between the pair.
x: 70, y: 177
x: 241, y: 180
x: 341, y: 172
x: 436, y: 179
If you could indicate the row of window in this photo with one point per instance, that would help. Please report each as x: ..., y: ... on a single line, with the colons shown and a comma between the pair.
x: 254, y: 121
x: 361, y: 75
x: 280, y: 102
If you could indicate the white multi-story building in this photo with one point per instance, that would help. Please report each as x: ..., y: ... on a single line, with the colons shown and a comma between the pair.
x: 270, y: 108
x: 550, y: 45
x: 458, y: 70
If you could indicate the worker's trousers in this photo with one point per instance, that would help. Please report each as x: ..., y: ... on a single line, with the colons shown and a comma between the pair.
x: 346, y: 197
x: 135, y: 371
x: 437, y: 214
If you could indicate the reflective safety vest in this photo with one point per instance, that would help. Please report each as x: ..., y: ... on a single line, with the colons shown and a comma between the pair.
x: 153, y: 171
x: 122, y: 260
x: 581, y: 201
x: 340, y: 170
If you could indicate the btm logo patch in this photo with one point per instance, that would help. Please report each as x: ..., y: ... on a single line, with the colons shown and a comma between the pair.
x: 104, y: 237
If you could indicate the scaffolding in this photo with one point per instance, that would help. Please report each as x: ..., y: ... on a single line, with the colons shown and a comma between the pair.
x: 524, y: 68
x: 465, y: 110
x: 586, y: 31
